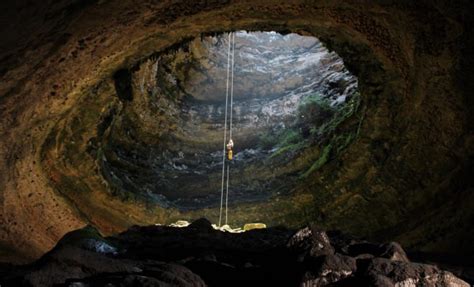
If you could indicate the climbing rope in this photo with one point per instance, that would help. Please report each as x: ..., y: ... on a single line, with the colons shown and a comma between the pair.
x: 230, y: 74
x: 232, y: 86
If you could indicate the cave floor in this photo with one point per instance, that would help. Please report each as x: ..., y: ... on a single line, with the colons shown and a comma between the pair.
x: 199, y: 255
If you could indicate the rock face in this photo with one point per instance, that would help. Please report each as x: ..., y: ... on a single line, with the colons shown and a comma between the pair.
x: 266, y: 65
x: 166, y: 144
x: 398, y: 169
x: 198, y: 255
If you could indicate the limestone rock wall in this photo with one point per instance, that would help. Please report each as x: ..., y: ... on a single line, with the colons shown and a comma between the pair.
x: 165, y: 146
x: 406, y: 176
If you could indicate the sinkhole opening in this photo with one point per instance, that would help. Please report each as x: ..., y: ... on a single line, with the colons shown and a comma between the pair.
x: 291, y: 95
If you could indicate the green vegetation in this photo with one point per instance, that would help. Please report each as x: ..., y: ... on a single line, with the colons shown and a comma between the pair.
x: 313, y: 110
x: 293, y: 138
x: 342, y: 141
x: 267, y: 140
x: 289, y: 148
x: 315, y: 100
x: 336, y: 142
x: 284, y: 138
x: 290, y: 137
x: 323, y: 158
x: 341, y: 114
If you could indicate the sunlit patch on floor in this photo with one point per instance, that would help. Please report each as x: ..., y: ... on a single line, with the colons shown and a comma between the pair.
x: 225, y: 227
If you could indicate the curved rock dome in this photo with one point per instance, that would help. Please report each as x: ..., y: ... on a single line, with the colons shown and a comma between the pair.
x: 353, y: 115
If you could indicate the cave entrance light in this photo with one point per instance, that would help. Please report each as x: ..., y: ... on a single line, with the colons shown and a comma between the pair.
x: 288, y: 95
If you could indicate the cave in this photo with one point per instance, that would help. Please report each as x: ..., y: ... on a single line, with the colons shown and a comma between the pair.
x: 289, y: 95
x: 352, y: 123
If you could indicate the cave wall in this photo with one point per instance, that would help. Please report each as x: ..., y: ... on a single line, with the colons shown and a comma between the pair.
x: 406, y: 176
x: 165, y: 145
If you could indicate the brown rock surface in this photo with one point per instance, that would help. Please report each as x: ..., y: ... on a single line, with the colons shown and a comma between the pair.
x: 407, y: 176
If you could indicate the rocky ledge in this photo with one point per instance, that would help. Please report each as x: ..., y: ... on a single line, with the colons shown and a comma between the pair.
x: 199, y: 255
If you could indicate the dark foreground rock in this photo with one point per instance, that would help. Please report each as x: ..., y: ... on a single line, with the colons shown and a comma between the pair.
x: 198, y: 255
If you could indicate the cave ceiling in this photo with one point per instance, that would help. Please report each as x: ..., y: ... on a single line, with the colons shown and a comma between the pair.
x: 84, y: 120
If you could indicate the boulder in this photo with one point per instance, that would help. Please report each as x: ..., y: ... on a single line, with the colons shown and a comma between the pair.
x: 202, y: 224
x: 392, y: 250
x: 310, y: 242
x: 407, y: 274
x: 328, y: 269
x: 158, y: 274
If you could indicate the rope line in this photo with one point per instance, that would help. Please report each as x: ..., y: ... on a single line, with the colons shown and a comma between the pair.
x: 232, y: 86
x: 227, y: 194
x: 230, y: 124
x: 225, y: 132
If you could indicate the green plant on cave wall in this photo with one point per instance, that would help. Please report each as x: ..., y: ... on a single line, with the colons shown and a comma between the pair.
x: 323, y: 158
x: 317, y: 121
x: 312, y: 112
x: 333, y: 143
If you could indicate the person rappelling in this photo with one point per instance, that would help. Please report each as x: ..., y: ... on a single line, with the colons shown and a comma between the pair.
x: 230, y: 146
